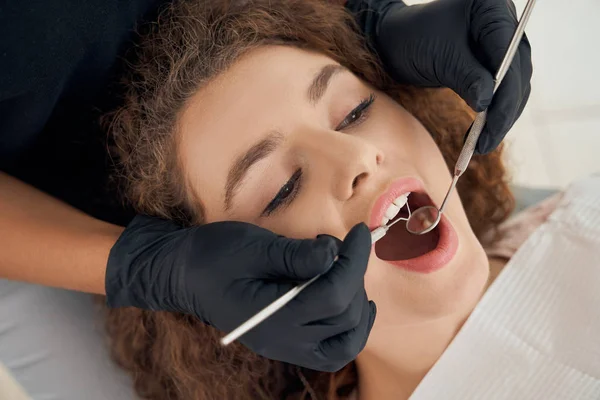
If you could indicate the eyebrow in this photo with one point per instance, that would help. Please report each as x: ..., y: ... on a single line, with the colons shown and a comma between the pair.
x: 319, y: 85
x: 240, y: 167
x: 269, y: 144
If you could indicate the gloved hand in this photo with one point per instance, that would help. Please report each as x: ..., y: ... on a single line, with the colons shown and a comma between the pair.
x: 457, y: 44
x: 223, y: 273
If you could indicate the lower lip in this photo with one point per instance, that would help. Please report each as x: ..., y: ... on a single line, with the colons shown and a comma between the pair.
x: 437, y: 258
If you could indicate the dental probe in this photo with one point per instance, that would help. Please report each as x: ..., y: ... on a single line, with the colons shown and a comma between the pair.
x: 272, y: 308
x: 426, y: 218
x: 380, y: 231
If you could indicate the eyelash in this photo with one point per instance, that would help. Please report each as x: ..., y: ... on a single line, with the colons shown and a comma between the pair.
x: 362, y: 109
x: 290, y: 189
x: 286, y: 194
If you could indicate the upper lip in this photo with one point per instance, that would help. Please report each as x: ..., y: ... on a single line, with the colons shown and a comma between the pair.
x: 394, y: 190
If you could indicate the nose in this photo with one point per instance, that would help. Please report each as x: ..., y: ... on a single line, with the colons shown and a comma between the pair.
x: 351, y: 162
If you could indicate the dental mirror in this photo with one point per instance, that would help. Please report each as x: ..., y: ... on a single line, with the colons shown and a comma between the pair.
x: 423, y: 220
x: 426, y: 218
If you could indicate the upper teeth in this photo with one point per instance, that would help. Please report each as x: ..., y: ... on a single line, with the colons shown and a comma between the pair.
x: 394, y: 208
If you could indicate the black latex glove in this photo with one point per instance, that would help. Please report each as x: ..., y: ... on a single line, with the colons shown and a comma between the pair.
x: 223, y: 273
x: 457, y: 44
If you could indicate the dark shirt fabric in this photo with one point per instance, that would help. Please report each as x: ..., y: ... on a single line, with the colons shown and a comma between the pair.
x: 59, y: 68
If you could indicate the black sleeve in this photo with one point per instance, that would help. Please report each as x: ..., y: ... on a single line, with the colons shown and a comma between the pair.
x: 59, y: 62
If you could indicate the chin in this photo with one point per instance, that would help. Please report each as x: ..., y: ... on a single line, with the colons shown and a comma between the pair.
x: 465, y: 279
x: 405, y: 296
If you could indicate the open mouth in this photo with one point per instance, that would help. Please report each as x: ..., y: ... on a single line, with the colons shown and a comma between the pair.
x: 418, y: 253
x: 399, y: 244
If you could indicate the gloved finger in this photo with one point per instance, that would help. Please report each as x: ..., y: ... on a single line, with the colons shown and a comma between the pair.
x: 526, y: 71
x: 509, y: 100
x: 524, y: 101
x: 512, y: 9
x: 339, y: 350
x: 289, y: 326
x: 492, y: 27
x: 336, y: 289
x: 462, y: 72
x: 503, y: 110
x: 299, y: 260
x: 318, y: 324
x: 526, y: 74
x: 489, y: 142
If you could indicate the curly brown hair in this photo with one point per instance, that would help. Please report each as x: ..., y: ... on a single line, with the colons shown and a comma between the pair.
x: 173, y: 356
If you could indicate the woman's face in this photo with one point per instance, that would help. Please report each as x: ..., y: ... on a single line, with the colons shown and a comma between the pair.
x: 289, y: 140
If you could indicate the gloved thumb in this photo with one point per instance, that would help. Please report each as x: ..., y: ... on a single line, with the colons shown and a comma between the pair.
x: 301, y: 259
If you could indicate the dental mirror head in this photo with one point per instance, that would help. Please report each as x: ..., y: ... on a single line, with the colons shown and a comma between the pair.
x: 423, y: 220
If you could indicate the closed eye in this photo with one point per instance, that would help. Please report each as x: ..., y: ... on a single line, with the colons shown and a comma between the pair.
x: 291, y: 188
x: 358, y: 115
x: 286, y: 194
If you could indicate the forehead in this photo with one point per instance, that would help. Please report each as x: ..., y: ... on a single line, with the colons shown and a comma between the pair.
x: 235, y: 110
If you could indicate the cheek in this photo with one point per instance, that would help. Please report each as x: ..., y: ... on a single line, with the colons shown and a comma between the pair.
x: 428, y: 158
x: 407, y: 143
x: 310, y: 216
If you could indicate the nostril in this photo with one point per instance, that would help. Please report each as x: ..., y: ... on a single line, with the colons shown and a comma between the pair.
x: 357, y: 180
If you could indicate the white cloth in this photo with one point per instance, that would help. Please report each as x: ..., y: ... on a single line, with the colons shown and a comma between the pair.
x: 52, y: 343
x: 535, y: 334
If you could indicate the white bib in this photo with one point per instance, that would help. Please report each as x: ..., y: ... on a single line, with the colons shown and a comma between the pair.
x: 535, y: 334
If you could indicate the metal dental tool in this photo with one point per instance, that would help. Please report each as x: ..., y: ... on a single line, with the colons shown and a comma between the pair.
x: 381, y: 231
x: 426, y: 218
x: 272, y: 308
